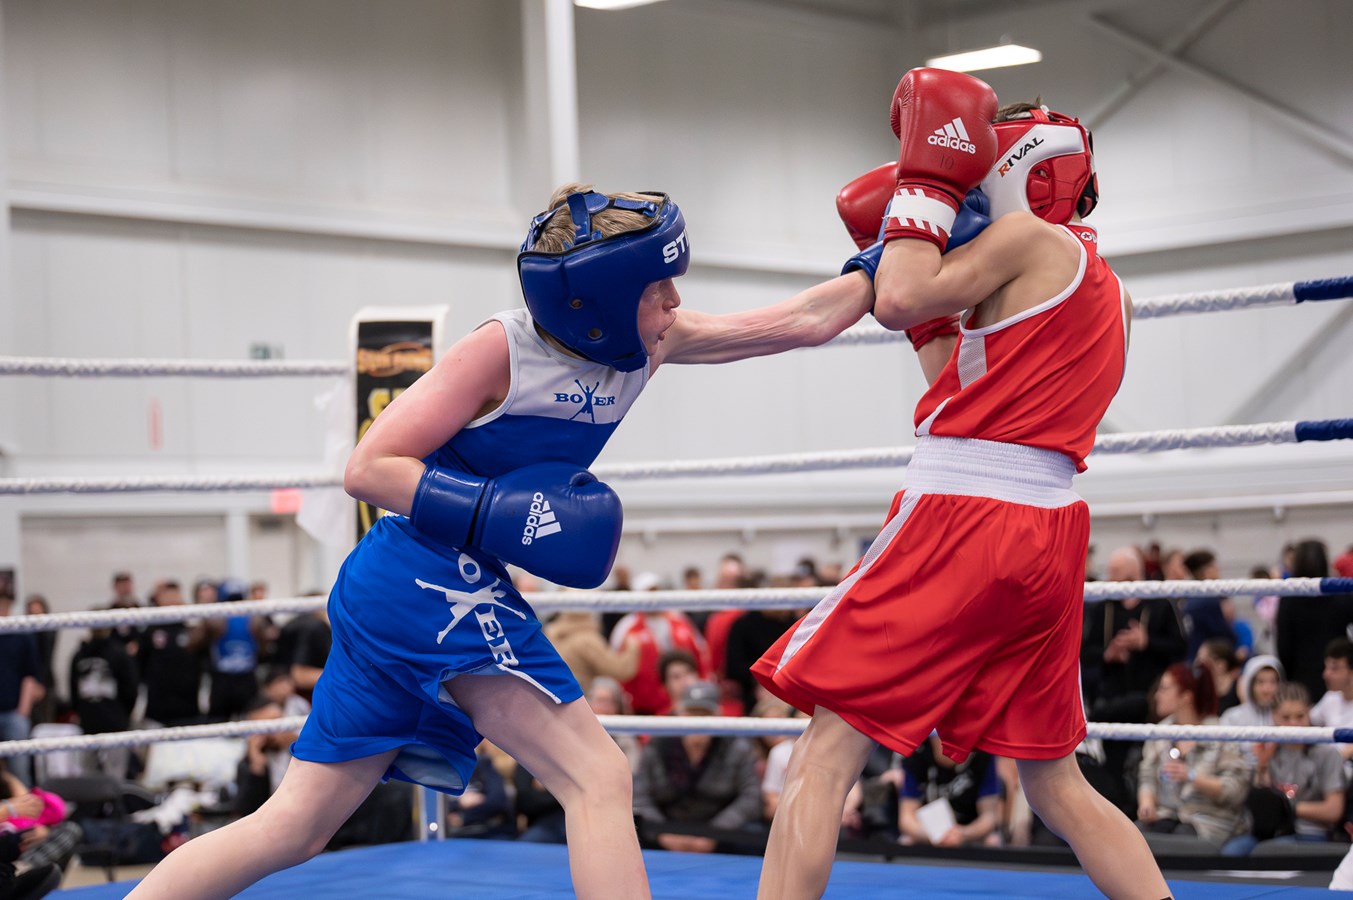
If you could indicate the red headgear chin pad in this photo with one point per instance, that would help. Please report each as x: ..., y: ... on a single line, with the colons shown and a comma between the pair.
x: 1045, y: 165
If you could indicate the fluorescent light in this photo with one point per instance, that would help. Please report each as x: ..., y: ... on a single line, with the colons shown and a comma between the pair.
x: 611, y: 4
x: 988, y: 58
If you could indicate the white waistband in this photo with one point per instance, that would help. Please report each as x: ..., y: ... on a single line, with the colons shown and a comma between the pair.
x: 1010, y: 472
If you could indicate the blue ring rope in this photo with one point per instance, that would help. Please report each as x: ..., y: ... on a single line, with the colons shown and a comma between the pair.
x: 1324, y: 430
x: 1323, y: 289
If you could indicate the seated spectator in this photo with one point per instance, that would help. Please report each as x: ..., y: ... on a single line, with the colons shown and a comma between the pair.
x: 1257, y: 688
x: 540, y: 817
x: 656, y: 632
x: 607, y: 698
x: 871, y: 805
x: 577, y: 637
x: 266, y: 757
x: 972, y: 789
x: 385, y: 816
x: 697, y: 779
x: 483, y: 809
x: 46, y: 836
x: 1191, y: 787
x: 277, y: 685
x: 1335, y: 709
x: 1218, y: 655
x: 1311, y: 776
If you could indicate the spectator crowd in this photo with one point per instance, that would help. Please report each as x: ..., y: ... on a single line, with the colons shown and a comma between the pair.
x: 1282, y: 662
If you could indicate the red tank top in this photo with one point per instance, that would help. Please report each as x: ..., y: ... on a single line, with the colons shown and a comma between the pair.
x: 1042, y: 378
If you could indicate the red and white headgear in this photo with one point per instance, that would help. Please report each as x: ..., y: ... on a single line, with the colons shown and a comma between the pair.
x: 1045, y: 164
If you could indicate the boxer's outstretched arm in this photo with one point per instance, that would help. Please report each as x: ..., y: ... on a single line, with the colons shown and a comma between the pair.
x: 808, y: 319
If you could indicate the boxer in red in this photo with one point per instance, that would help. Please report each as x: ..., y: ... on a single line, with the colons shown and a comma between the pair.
x: 964, y: 616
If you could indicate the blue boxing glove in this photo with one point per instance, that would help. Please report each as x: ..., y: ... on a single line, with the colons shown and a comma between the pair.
x: 973, y: 217
x: 555, y: 520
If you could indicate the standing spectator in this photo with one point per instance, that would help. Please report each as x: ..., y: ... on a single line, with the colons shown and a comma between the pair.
x: 19, y: 689
x: 171, y: 664
x: 1310, y: 775
x: 1335, y: 709
x: 972, y: 789
x: 45, y: 709
x: 233, y: 646
x: 697, y: 779
x: 1206, y: 617
x: 691, y: 579
x: 103, y: 688
x: 1306, y: 625
x: 751, y: 635
x: 1344, y: 564
x: 577, y: 637
x: 124, y: 597
x: 656, y: 632
x: 1265, y: 614
x: 1151, y: 562
x: 730, y: 575
x: 1127, y: 645
x: 1218, y: 655
x: 1191, y: 787
x: 267, y: 629
x: 303, y: 648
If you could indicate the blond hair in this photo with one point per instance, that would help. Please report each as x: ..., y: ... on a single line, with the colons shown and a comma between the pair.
x: 557, y: 233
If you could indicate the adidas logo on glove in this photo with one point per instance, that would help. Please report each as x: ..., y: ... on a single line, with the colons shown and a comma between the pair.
x: 541, y: 521
x: 954, y: 136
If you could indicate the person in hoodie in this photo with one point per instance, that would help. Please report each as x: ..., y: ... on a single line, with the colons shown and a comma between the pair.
x: 1257, y: 689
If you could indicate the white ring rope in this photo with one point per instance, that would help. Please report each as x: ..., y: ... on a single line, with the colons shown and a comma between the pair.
x: 632, y: 601
x: 672, y: 726
x: 880, y: 457
x: 203, y: 368
x: 1286, y: 294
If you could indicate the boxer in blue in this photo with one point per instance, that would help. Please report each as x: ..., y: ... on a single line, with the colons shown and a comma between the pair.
x: 483, y: 462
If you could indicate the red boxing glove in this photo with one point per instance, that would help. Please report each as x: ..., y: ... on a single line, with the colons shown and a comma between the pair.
x: 942, y: 120
x: 862, y: 203
x: 922, y: 334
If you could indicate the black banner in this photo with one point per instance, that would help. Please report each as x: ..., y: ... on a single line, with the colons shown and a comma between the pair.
x: 390, y: 357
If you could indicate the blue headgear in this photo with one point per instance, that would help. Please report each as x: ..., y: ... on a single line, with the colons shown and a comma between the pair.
x: 587, y: 296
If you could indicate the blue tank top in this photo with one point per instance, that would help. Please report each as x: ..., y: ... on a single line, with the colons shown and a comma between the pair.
x: 558, y: 409
x: 236, y: 651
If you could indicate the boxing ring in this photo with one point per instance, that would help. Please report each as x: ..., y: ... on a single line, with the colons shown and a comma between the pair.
x: 475, y: 869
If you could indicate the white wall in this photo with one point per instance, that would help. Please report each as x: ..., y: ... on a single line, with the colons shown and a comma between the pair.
x: 189, y: 178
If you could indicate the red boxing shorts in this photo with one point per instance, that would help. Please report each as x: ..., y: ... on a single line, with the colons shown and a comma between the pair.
x: 964, y: 617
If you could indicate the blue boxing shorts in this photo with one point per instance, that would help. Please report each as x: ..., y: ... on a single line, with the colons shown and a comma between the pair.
x: 408, y: 614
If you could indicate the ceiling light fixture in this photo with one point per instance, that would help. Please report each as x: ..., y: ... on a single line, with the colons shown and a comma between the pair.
x: 611, y: 4
x: 987, y: 58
